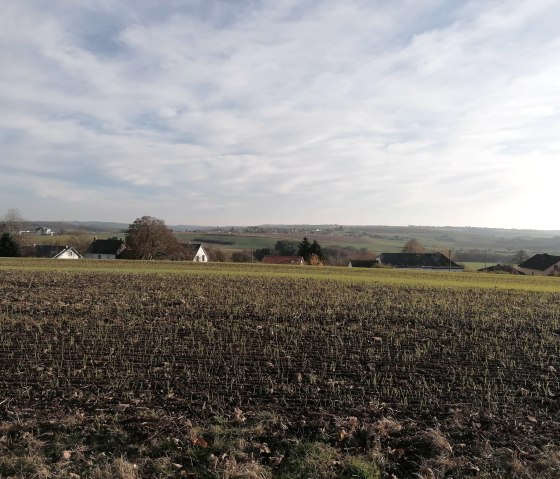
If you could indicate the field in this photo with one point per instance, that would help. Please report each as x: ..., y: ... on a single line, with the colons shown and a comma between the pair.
x: 145, y: 369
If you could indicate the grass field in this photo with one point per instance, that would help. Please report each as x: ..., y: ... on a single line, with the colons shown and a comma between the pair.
x: 165, y: 369
x: 395, y: 277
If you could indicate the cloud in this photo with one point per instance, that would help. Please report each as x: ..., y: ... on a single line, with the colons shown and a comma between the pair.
x: 216, y: 112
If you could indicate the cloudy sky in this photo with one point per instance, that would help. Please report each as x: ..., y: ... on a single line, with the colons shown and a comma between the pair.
x: 434, y: 112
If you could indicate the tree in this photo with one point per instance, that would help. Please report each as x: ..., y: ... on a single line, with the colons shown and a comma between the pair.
x: 317, y: 251
x: 286, y: 248
x: 12, y: 222
x: 304, y: 249
x: 79, y: 239
x: 311, y: 250
x: 262, y: 252
x: 519, y: 257
x: 8, y: 245
x: 413, y: 246
x: 215, y: 254
x: 150, y: 238
x: 241, y: 256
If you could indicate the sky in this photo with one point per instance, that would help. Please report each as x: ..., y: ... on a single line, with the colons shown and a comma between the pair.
x: 247, y: 112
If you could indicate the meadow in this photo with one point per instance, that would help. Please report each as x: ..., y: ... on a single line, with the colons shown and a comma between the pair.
x: 167, y: 369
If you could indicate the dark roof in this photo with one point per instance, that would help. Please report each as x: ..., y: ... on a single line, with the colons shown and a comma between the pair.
x: 501, y: 268
x: 47, y: 250
x: 362, y: 263
x: 417, y: 260
x: 540, y: 262
x: 106, y: 246
x: 282, y: 259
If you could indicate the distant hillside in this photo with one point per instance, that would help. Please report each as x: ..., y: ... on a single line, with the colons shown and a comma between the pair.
x: 466, y: 243
x: 89, y: 226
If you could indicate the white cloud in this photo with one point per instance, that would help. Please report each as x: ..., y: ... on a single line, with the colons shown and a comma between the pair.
x: 379, y: 112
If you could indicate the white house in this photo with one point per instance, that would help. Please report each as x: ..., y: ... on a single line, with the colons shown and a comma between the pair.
x: 55, y: 252
x: 197, y: 253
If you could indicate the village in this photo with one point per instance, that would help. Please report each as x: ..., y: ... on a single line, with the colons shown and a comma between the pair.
x: 412, y: 257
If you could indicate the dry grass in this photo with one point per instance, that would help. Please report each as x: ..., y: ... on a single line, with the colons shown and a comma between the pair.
x: 120, y: 468
x: 387, y: 426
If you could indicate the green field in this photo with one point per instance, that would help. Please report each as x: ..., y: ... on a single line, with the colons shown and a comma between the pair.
x: 417, y: 278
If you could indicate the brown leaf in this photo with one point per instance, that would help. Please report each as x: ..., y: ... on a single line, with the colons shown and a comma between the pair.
x: 200, y: 442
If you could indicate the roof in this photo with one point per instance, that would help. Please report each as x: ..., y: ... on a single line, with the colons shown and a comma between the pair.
x: 418, y: 260
x: 194, y: 247
x: 106, y: 246
x: 47, y: 250
x: 497, y: 268
x: 282, y: 259
x: 540, y: 262
x: 362, y: 263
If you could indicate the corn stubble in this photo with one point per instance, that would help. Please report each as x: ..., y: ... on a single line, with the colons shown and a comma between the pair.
x: 170, y: 375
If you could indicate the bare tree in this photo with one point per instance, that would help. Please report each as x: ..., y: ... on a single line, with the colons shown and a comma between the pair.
x: 150, y: 238
x: 79, y: 239
x: 519, y: 257
x: 12, y: 221
x: 413, y: 246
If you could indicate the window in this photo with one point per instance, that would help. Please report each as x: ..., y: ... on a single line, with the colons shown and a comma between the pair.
x: 203, y: 258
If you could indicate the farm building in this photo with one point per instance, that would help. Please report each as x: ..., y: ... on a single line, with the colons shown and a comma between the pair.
x: 431, y: 261
x: 104, y: 249
x: 283, y: 260
x: 362, y: 263
x: 196, y: 253
x: 55, y: 252
x: 541, y: 265
x: 500, y: 268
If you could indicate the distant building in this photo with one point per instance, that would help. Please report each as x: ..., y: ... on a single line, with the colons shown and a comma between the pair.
x: 297, y: 260
x: 104, y: 249
x: 430, y: 261
x: 55, y: 252
x: 44, y: 231
x: 362, y: 263
x: 541, y: 265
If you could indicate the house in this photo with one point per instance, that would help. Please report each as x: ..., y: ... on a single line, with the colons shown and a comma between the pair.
x: 500, y: 268
x: 541, y: 265
x: 43, y: 231
x: 55, y: 252
x: 283, y: 260
x: 104, y: 249
x: 362, y: 263
x: 429, y: 261
x: 196, y: 253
